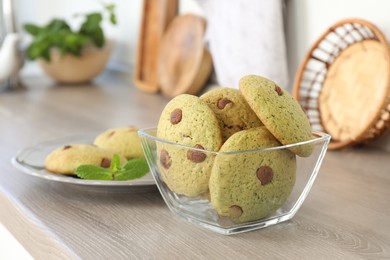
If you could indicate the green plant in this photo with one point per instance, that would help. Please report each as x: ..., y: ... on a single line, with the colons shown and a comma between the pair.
x: 131, y: 170
x: 58, y: 34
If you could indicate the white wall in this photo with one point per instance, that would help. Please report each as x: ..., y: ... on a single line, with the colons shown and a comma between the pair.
x: 308, y: 19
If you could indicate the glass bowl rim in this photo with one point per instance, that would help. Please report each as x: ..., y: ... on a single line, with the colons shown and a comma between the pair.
x: 321, y: 136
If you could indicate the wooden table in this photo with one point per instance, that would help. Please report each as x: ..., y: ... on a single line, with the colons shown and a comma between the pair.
x: 346, y: 215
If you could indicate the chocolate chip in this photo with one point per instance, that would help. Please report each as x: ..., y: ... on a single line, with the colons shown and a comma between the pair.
x: 176, y: 116
x: 165, y: 159
x: 196, y: 156
x: 265, y: 174
x: 110, y: 134
x: 105, y: 163
x: 235, y: 211
x: 278, y: 90
x: 222, y: 103
x: 67, y: 147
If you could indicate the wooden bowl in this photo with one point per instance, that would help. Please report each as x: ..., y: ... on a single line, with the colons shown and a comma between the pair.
x: 343, y: 84
x: 184, y: 64
x: 70, y: 69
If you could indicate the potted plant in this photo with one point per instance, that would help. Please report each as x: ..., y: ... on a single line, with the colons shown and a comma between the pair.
x: 72, y: 56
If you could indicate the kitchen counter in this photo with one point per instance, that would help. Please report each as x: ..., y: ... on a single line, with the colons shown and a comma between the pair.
x: 346, y: 215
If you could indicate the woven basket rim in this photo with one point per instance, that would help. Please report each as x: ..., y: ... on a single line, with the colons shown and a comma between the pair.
x: 380, y: 37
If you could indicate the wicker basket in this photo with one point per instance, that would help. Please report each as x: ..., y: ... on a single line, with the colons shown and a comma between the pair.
x: 343, y: 84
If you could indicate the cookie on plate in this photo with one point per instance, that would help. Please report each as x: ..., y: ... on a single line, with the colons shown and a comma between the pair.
x: 232, y: 110
x: 66, y: 159
x: 122, y: 140
x: 279, y: 111
x: 189, y: 121
x: 251, y: 185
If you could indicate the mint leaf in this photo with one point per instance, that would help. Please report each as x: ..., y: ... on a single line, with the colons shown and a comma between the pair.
x: 58, y: 34
x: 133, y: 169
x: 110, y: 8
x: 93, y: 172
x: 91, y: 29
x: 115, y: 163
x: 32, y: 29
x: 56, y: 25
x: 113, y: 18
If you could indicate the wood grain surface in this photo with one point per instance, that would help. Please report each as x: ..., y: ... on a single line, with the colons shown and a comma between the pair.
x: 156, y: 16
x: 184, y: 63
x: 347, y: 101
x: 346, y: 215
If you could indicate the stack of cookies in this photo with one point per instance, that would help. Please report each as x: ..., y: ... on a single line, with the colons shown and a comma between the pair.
x: 220, y: 137
x: 122, y: 141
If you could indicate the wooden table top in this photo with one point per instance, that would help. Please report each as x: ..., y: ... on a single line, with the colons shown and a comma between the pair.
x: 345, y: 216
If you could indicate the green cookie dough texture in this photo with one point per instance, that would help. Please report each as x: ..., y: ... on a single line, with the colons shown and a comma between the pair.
x: 188, y: 121
x: 123, y: 141
x: 249, y: 186
x: 232, y: 110
x: 279, y: 112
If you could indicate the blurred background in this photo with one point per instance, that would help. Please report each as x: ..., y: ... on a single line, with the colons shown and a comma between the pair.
x: 269, y: 38
x: 305, y: 21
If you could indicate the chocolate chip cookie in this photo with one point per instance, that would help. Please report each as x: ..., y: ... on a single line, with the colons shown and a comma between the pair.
x: 232, y: 110
x: 122, y: 140
x: 279, y: 112
x: 187, y: 121
x: 248, y: 186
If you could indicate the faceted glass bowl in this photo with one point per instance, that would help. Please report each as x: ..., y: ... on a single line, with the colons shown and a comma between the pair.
x: 199, y: 211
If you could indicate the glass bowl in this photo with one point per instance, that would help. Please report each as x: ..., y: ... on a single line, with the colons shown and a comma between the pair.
x: 199, y: 210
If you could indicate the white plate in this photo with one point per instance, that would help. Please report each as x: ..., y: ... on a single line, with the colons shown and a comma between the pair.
x: 31, y: 161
